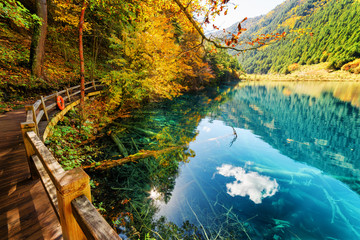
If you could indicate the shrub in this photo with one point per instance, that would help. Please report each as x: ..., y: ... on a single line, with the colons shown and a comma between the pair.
x: 293, y: 67
x: 353, y: 66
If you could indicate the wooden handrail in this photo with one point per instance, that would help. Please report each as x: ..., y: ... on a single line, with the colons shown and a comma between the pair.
x: 68, y: 184
x: 37, y: 104
x: 39, y: 110
x: 51, y: 165
x: 90, y: 220
x: 69, y: 191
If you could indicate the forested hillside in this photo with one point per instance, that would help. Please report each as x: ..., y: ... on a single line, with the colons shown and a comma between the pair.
x: 142, y: 50
x: 317, y: 31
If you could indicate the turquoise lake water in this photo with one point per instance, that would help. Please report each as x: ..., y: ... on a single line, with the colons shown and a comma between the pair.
x: 262, y: 161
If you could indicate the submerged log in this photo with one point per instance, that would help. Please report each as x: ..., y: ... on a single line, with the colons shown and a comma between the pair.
x: 144, y: 131
x: 106, y: 164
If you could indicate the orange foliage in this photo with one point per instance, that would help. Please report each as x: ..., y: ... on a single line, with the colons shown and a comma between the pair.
x: 353, y: 66
x: 293, y: 67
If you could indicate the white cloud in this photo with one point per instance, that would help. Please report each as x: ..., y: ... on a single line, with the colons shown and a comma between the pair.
x: 206, y: 129
x: 251, y: 184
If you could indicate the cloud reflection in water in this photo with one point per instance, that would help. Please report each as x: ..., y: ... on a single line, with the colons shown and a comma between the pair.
x: 256, y: 186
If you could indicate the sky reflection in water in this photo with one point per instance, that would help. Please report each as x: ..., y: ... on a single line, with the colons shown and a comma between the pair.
x: 250, y: 184
x: 274, y: 190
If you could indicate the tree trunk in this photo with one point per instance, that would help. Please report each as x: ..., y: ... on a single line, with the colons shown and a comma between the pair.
x: 81, y: 53
x: 37, y: 49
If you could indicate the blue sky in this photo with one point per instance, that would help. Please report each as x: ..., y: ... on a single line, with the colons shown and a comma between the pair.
x: 246, y: 8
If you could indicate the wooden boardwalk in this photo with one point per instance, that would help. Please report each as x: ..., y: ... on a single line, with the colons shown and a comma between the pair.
x: 25, y: 210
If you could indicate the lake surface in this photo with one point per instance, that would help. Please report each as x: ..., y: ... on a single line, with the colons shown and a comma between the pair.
x: 251, y: 161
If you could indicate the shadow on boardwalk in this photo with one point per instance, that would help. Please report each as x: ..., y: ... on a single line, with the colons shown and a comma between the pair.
x: 25, y: 210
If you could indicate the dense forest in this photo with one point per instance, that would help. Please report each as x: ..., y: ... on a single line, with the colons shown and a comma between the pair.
x: 317, y: 31
x: 283, y: 119
x: 142, y: 50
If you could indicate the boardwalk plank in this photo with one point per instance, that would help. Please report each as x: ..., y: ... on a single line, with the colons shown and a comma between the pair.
x: 25, y: 210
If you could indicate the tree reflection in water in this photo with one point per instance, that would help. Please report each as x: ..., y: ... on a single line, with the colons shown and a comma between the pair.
x: 308, y: 123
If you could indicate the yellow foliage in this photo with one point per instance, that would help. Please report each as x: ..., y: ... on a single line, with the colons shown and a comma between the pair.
x: 290, y: 22
x: 156, y: 58
x: 146, y: 60
x: 68, y: 12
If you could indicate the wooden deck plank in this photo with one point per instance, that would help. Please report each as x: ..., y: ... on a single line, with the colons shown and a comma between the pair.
x: 25, y: 210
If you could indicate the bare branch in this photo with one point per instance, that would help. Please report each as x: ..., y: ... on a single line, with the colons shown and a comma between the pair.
x: 200, y: 31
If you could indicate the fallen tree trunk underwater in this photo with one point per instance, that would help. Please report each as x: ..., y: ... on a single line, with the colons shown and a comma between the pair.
x: 106, y: 164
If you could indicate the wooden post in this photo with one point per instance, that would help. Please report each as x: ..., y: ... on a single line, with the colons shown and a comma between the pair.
x: 31, y: 108
x: 44, y: 108
x: 93, y: 83
x: 67, y: 93
x: 28, y: 127
x: 73, y: 183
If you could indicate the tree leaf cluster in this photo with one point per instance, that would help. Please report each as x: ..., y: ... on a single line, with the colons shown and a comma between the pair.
x: 18, y: 14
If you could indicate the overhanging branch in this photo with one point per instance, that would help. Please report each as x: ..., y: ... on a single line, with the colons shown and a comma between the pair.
x: 200, y: 31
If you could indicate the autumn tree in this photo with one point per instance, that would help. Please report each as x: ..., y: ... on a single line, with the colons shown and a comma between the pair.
x: 37, y: 50
x: 144, y: 59
x: 157, y: 46
x: 22, y: 18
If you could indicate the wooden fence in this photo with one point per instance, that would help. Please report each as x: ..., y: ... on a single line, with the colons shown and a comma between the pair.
x: 68, y: 191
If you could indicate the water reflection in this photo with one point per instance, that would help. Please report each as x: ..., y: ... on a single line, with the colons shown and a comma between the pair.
x: 250, y: 184
x: 303, y: 181
x: 310, y: 123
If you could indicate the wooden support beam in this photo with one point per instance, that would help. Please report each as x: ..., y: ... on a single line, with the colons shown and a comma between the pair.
x: 90, y: 220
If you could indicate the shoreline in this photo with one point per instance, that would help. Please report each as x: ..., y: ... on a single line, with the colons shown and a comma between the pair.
x: 308, y: 73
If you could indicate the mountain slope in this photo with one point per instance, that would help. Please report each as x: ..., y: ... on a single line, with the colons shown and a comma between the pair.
x: 318, y: 31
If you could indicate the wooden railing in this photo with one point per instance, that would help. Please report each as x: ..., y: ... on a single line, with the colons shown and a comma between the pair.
x: 42, y: 108
x: 68, y: 191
